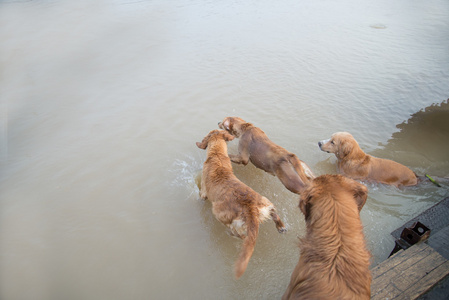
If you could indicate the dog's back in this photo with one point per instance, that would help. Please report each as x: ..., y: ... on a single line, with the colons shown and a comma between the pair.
x: 334, y: 261
x: 234, y: 203
x: 390, y: 172
x: 238, y: 207
x: 255, y: 146
x: 274, y: 159
x: 355, y: 163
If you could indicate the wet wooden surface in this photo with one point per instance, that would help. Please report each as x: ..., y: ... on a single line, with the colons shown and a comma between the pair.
x: 409, y: 273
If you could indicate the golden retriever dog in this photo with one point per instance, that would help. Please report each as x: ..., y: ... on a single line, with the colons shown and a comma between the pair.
x: 334, y: 260
x: 356, y: 164
x: 255, y: 146
x: 234, y: 204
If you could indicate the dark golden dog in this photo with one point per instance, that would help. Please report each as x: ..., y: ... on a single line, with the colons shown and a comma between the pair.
x: 356, y: 164
x: 234, y: 204
x: 334, y: 261
x: 255, y: 146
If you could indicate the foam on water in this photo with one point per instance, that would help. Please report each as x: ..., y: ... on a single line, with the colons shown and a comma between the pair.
x: 186, y: 173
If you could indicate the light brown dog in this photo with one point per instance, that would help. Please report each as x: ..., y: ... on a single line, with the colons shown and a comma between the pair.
x: 255, y: 146
x: 356, y: 164
x: 234, y: 204
x: 334, y: 261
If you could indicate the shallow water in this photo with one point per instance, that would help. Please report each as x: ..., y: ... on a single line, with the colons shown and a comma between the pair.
x: 101, y: 106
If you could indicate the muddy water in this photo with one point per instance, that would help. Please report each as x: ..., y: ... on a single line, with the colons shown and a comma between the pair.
x: 101, y: 106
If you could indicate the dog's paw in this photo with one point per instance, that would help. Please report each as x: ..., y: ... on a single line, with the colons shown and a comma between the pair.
x: 203, y: 195
x: 282, y: 230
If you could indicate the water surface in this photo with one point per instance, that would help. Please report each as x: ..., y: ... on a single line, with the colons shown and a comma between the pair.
x: 101, y: 106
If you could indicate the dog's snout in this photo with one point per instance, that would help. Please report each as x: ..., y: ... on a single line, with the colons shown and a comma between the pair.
x: 321, y: 144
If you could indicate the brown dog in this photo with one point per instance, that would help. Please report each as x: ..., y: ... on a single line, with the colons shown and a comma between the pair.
x: 234, y: 204
x: 255, y: 146
x: 355, y: 163
x: 334, y: 261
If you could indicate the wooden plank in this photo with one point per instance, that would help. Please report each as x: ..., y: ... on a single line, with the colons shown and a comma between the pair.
x: 426, y: 282
x: 388, y: 291
x: 413, y: 276
x: 410, y: 272
x: 387, y: 264
x: 411, y: 259
x: 396, y: 259
x: 423, y: 267
x: 384, y: 284
x: 392, y: 268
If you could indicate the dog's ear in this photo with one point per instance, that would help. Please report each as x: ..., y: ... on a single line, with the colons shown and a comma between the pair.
x: 344, y: 148
x: 201, y: 145
x: 227, y: 137
x: 360, y: 195
x: 205, y: 142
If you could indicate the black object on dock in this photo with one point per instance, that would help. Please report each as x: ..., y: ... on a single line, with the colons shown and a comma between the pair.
x: 419, y: 271
x: 410, y: 236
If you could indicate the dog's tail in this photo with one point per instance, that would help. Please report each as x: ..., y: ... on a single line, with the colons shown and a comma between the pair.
x: 303, y: 170
x: 252, y: 223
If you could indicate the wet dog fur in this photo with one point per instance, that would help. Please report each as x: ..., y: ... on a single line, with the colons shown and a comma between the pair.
x: 255, y: 146
x: 234, y: 204
x: 334, y: 260
x: 356, y: 164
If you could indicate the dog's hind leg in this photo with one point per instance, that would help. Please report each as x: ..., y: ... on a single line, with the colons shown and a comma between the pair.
x: 279, y: 224
x: 267, y: 210
x: 289, y: 178
x: 303, y: 170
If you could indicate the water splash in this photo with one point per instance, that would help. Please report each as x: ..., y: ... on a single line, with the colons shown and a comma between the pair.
x: 186, y: 172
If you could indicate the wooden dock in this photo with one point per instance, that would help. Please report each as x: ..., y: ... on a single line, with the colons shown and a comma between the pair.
x: 413, y: 273
x: 409, y: 273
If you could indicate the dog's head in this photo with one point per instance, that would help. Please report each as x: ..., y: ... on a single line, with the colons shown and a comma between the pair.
x: 234, y: 125
x: 340, y: 143
x: 214, y: 136
x: 332, y: 188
